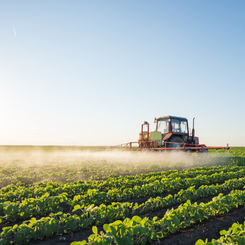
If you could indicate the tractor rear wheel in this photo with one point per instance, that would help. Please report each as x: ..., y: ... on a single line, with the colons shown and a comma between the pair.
x: 177, y: 142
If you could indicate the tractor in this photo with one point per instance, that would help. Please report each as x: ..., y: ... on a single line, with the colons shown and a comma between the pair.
x: 171, y: 133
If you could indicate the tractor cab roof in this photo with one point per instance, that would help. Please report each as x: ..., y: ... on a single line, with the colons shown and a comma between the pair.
x: 171, y: 117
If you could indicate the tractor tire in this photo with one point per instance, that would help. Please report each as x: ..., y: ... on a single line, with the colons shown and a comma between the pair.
x: 178, y: 142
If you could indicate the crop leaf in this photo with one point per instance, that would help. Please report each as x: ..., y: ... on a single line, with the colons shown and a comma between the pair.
x: 95, y: 229
x: 200, y: 242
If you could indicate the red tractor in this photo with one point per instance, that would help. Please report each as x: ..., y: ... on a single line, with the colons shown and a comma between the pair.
x: 171, y: 133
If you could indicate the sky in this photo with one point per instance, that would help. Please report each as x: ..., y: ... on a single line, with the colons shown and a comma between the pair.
x: 91, y: 72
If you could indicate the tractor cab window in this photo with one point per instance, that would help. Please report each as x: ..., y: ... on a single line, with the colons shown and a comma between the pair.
x: 183, y: 127
x: 175, y: 126
x: 179, y: 126
x: 163, y: 126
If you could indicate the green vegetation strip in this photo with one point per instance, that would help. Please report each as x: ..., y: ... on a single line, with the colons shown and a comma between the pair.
x: 32, y: 207
x: 155, y: 188
x: 20, y: 191
x: 235, y: 235
x: 141, y: 231
x: 92, y: 215
x: 191, y: 193
x: 46, y: 204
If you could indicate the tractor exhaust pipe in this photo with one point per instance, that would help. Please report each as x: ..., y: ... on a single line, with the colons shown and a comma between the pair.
x: 193, y: 130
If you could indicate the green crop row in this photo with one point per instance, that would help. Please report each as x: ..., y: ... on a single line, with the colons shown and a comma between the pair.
x: 46, y: 204
x: 20, y: 192
x: 189, y: 194
x: 155, y: 188
x: 141, y: 231
x: 57, y: 223
x: 104, y: 214
x: 235, y: 235
x: 32, y: 207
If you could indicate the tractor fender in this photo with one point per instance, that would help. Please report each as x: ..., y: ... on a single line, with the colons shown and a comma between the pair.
x: 167, y: 136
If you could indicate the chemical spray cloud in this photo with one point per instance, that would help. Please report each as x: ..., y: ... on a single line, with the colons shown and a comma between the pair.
x: 56, y: 157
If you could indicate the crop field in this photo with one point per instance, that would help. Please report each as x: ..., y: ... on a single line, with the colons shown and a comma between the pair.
x: 81, y: 195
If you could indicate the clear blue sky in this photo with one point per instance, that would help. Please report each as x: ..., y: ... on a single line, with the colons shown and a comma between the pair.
x: 90, y: 72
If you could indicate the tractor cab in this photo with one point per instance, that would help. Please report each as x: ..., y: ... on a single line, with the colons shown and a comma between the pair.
x: 170, y: 126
